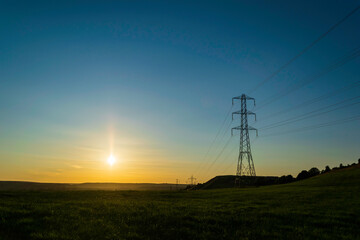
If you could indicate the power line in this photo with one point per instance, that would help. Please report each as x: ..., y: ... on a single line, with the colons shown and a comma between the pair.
x: 227, y: 156
x: 232, y: 151
x: 341, y: 121
x: 353, y: 54
x: 214, y: 140
x: 218, y: 156
x: 314, y: 100
x: 299, y: 129
x: 212, y: 163
x: 345, y: 120
x: 347, y: 58
x: 206, y: 163
x: 340, y: 62
x: 244, y: 147
x: 305, y: 49
x: 227, y: 128
x: 310, y: 114
x: 192, y: 180
x: 213, y: 143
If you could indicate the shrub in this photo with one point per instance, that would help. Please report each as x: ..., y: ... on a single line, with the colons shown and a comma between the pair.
x: 289, y: 178
x: 302, y: 175
x: 313, y: 172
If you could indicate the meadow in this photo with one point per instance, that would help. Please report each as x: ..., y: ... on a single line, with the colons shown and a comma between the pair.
x: 322, y: 207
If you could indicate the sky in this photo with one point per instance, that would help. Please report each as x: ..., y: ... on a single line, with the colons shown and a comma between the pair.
x: 151, y: 83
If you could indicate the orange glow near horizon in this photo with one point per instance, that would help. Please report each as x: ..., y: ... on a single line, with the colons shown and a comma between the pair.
x: 115, y: 154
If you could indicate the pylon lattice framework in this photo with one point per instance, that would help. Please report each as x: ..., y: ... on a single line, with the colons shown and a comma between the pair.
x: 245, y: 166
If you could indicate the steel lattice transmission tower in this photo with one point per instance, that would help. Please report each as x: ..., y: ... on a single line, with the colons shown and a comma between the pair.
x: 192, y: 180
x: 245, y: 166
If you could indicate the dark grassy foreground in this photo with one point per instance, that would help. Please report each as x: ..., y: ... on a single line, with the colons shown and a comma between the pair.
x: 34, y: 186
x: 323, y: 207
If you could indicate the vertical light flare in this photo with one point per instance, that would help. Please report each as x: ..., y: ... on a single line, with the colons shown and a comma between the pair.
x: 111, y: 160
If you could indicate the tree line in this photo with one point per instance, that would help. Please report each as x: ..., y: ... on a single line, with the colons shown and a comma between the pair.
x: 311, y: 173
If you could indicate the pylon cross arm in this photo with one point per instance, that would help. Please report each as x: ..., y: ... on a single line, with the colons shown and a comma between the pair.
x: 240, y: 128
x: 243, y: 97
x: 235, y: 128
x: 251, y: 128
x: 243, y: 113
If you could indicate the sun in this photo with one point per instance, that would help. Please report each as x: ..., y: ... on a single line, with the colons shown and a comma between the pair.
x: 111, y: 160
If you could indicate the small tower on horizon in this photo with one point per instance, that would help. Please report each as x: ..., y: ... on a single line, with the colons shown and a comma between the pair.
x: 192, y: 180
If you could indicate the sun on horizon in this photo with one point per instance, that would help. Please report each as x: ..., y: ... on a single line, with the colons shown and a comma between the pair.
x: 111, y: 160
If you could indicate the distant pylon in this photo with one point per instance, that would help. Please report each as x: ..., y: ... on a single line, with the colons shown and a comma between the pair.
x: 177, y: 184
x: 245, y: 166
x: 192, y: 180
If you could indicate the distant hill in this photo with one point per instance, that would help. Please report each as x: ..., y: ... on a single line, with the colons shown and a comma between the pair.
x: 21, y: 186
x: 228, y: 181
x: 346, y: 175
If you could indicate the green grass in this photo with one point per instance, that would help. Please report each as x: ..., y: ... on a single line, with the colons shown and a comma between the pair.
x: 323, y: 207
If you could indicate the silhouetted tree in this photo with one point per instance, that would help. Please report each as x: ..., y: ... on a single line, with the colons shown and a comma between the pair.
x: 359, y: 161
x: 282, y: 179
x: 313, y: 172
x: 285, y: 179
x: 302, y: 175
x: 327, y: 169
x: 341, y: 165
x: 289, y: 178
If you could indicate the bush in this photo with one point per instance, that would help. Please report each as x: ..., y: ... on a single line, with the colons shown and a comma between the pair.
x: 285, y: 179
x: 313, y: 172
x: 289, y: 178
x: 282, y: 179
x: 302, y: 175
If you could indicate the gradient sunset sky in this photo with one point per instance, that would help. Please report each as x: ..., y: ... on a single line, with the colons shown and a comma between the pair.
x: 151, y: 83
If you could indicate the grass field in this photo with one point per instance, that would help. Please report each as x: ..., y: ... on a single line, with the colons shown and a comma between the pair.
x: 323, y: 207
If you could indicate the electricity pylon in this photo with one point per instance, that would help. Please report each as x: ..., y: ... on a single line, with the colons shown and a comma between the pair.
x: 177, y: 184
x: 245, y: 166
x: 192, y: 180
